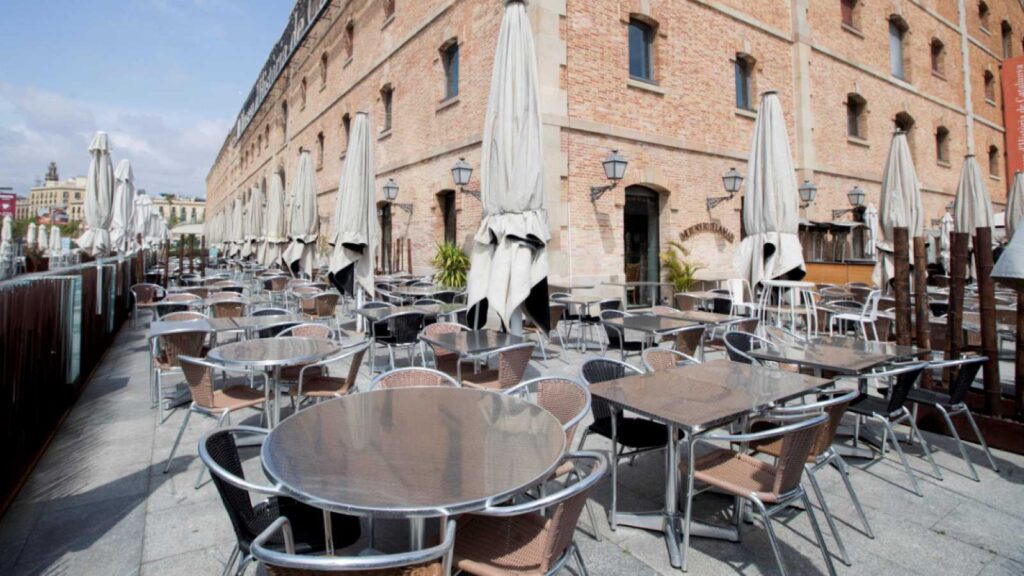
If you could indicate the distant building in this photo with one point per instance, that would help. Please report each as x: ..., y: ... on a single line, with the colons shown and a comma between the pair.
x: 181, y: 210
x: 67, y: 196
x: 22, y: 209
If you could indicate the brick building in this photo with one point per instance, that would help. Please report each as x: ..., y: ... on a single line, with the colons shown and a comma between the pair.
x: 669, y: 83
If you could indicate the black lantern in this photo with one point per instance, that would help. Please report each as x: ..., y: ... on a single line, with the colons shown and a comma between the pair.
x: 391, y: 193
x: 462, y: 171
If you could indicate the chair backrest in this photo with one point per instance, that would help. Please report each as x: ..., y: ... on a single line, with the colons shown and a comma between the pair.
x: 184, y: 316
x: 227, y: 309
x: 165, y: 307
x: 276, y: 328
x: 199, y: 376
x: 405, y: 327
x: 833, y: 403
x: 185, y: 343
x: 307, y: 330
x: 657, y: 359
x: 325, y: 303
x: 739, y: 344
x: 146, y: 293
x: 427, y: 302
x: 871, y: 304
x: 609, y: 304
x: 378, y: 304
x: 271, y: 312
x: 438, y: 328
x: 512, y: 363
x: 904, y: 378
x: 615, y: 334
x: 559, y: 296
x: 224, y: 296
x: 748, y: 325
x: 275, y: 283
x: 566, y: 399
x: 182, y: 297
x: 597, y: 370
x: 797, y: 442
x: 412, y: 377
x: 686, y: 301
x: 965, y: 375
x: 447, y: 296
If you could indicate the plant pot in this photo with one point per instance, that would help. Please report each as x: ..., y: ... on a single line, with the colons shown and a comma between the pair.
x: 37, y: 264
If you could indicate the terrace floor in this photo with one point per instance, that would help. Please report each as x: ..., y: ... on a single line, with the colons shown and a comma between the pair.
x: 99, y: 503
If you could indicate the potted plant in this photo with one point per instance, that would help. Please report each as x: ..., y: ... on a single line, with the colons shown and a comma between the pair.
x: 452, y: 265
x: 679, y: 271
x: 36, y: 260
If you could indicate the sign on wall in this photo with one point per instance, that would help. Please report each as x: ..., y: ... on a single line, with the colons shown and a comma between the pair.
x: 8, y: 204
x: 1013, y: 115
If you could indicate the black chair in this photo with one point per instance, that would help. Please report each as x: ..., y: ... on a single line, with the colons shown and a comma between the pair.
x: 377, y: 330
x: 403, y: 332
x: 617, y: 336
x: 448, y: 296
x: 638, y: 435
x: 219, y: 452
x: 273, y: 331
x: 739, y: 344
x: 952, y: 403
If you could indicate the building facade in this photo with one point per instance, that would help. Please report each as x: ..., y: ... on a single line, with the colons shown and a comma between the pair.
x: 58, y: 196
x: 671, y: 84
x: 180, y: 209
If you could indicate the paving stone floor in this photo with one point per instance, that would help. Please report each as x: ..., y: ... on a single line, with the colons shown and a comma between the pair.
x: 99, y: 503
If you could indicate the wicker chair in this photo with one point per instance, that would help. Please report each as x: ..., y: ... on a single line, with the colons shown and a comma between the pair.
x: 227, y: 309
x: 715, y: 340
x: 757, y: 481
x: 822, y: 455
x: 175, y: 303
x: 412, y: 377
x: 219, y: 452
x: 307, y: 330
x: 210, y: 401
x: 686, y: 301
x: 323, y: 306
x: 184, y: 316
x: 274, y: 330
x: 144, y: 297
x: 316, y: 383
x: 444, y: 360
x: 512, y: 363
x: 638, y: 435
x: 522, y: 538
x: 163, y: 360
x: 657, y: 359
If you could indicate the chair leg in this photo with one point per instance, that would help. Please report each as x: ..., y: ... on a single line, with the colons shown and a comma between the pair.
x: 771, y: 533
x: 959, y: 443
x: 231, y: 560
x: 579, y: 560
x: 177, y: 440
x: 844, y: 473
x: 243, y: 563
x: 891, y: 436
x: 828, y: 514
x: 924, y: 445
x: 593, y: 521
x: 818, y: 535
x: 612, y: 521
x: 202, y: 469
x: 981, y: 439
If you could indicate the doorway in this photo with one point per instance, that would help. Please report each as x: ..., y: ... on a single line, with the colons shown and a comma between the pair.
x: 384, y: 212
x: 641, y: 243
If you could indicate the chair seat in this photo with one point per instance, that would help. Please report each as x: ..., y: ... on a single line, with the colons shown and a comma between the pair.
x: 930, y: 397
x: 237, y: 397
x: 163, y: 363
x: 867, y: 405
x: 635, y: 433
x: 494, y: 546
x: 291, y: 373
x: 307, y: 526
x: 325, y: 386
x: 483, y: 380
x: 735, y: 473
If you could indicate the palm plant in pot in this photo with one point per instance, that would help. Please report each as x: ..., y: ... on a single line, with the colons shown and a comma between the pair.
x: 679, y: 271
x: 452, y: 265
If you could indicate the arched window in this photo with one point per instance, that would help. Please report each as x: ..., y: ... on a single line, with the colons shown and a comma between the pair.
x: 905, y: 123
x: 450, y: 61
x: 641, y: 50
x: 284, y: 119
x: 993, y: 161
x: 350, y: 38
x: 1007, y: 39
x: 850, y: 10
x: 938, y: 51
x: 744, y: 77
x: 386, y: 94
x: 389, y: 9
x: 898, y: 29
x: 323, y: 69
x: 302, y: 94
x: 266, y: 136
x: 983, y: 15
x: 990, y: 87
x: 346, y: 125
x: 942, y: 145
x: 320, y: 150
x: 855, y: 116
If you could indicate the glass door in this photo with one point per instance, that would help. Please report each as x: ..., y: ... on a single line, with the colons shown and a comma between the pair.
x: 641, y: 244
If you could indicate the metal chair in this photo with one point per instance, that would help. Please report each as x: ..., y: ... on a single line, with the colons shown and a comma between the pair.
x: 522, y: 538
x: 592, y: 322
x: 639, y: 435
x: 307, y: 330
x: 759, y: 482
x: 145, y: 295
x: 323, y: 306
x: 376, y: 329
x: 686, y: 301
x: 656, y: 359
x: 741, y: 296
x: 617, y: 336
x: 866, y: 314
x: 892, y: 410
x: 316, y: 383
x: 512, y: 363
x: 412, y: 377
x: 444, y: 360
x: 218, y: 450
x: 403, y: 332
x: 738, y: 344
x: 165, y: 351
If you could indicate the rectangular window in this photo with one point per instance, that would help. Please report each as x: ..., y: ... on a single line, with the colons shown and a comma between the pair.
x: 847, y: 10
x: 448, y: 213
x: 641, y: 41
x: 896, y: 49
x: 450, y: 57
x: 853, y: 119
x: 385, y: 97
x: 743, y: 99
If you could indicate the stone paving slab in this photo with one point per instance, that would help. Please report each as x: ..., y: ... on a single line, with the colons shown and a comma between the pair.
x: 99, y: 502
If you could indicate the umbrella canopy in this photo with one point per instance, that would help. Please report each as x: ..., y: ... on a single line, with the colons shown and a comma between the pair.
x: 43, y: 237
x: 6, y: 246
x: 30, y: 234
x: 56, y: 247
x: 771, y: 248
x: 509, y: 261
x: 275, y: 234
x: 255, y: 227
x: 142, y: 212
x: 303, y: 224
x: 237, y: 227
x: 355, y: 224
x: 1015, y: 205
x: 121, y: 223
x: 99, y: 198
x: 1009, y: 270
x: 945, y: 245
x: 901, y: 206
x: 188, y: 230
x: 871, y: 221
x: 249, y: 227
x: 972, y: 208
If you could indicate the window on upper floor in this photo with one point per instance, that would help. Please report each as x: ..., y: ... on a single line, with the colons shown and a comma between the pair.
x: 350, y: 40
x: 320, y: 150
x: 389, y: 8
x: 850, y: 11
x: 990, y: 86
x: 323, y: 69
x: 284, y: 119
x: 993, y: 161
x: 904, y: 122
x: 259, y: 142
x: 386, y: 96
x: 447, y: 199
x: 266, y: 136
x: 346, y: 125
x: 450, y: 61
x: 897, y: 56
x: 942, y: 145
x: 302, y: 94
x: 938, y: 52
x: 743, y: 70
x: 1007, y: 39
x: 983, y: 15
x: 641, y: 50
x: 855, y: 116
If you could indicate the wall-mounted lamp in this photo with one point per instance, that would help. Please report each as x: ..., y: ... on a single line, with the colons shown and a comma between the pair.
x: 950, y: 206
x: 391, y: 192
x: 731, y: 181
x: 808, y: 191
x: 856, y: 198
x: 614, y: 169
x: 462, y: 171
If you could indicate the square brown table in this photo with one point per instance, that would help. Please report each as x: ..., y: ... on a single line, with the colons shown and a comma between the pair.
x: 694, y: 399
x: 701, y: 317
x: 650, y: 325
x: 473, y: 342
x: 847, y: 358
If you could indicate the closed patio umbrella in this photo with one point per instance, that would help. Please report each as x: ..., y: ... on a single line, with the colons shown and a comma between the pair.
x: 255, y: 228
x: 56, y: 246
x: 99, y: 198
x: 303, y: 223
x: 30, y: 234
x: 771, y: 248
x: 43, y: 237
x: 972, y: 208
x: 900, y: 207
x: 121, y: 224
x: 249, y: 227
x: 143, y: 210
x: 1015, y: 205
x: 355, y: 223
x: 509, y: 260
x: 275, y: 232
x: 945, y: 229
x: 871, y: 221
x: 7, y: 247
x: 237, y: 227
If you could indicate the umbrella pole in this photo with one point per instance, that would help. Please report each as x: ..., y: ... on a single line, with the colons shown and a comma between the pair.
x: 204, y: 255
x: 901, y: 285
x: 167, y: 264
x: 989, y: 341
x: 922, y: 322
x: 957, y: 278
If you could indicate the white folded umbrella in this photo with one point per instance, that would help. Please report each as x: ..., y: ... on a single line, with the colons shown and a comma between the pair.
x: 303, y: 224
x: 901, y: 206
x: 30, y: 234
x: 121, y: 223
x: 99, y: 198
x: 275, y: 232
x: 355, y: 223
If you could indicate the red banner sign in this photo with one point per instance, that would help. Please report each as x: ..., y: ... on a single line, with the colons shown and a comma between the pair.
x: 8, y: 203
x: 1013, y: 115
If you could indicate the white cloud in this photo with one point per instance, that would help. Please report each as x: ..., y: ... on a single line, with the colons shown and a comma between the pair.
x: 169, y: 152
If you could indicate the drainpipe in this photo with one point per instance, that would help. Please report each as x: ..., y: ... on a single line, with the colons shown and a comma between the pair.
x: 966, y: 57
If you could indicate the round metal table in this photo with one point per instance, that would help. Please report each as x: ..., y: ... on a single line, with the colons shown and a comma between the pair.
x: 413, y: 452
x: 272, y: 353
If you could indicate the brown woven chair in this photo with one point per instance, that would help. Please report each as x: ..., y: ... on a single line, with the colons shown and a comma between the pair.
x: 434, y: 561
x: 322, y: 307
x: 184, y: 316
x: 412, y: 377
x: 144, y: 297
x: 444, y: 360
x: 209, y: 401
x: 512, y: 363
x: 227, y: 309
x: 685, y: 301
x: 218, y: 296
x: 716, y: 340
x: 657, y: 359
x: 757, y: 481
x: 521, y: 538
x: 316, y: 383
x: 163, y: 359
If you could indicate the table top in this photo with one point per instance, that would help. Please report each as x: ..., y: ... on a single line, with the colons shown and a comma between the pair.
x: 273, y: 351
x: 473, y: 342
x: 164, y: 327
x: 708, y: 295
x: 698, y: 397
x: 254, y: 322
x: 631, y: 283
x: 789, y: 284
x: 893, y: 349
x: 419, y: 452
x: 420, y: 290
x: 700, y: 316
x: 842, y: 359
x: 649, y: 324
x: 378, y: 314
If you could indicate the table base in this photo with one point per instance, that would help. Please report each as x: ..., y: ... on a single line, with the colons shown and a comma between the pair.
x: 671, y: 525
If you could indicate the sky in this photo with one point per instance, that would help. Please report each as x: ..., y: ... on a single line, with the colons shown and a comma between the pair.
x: 165, y: 78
